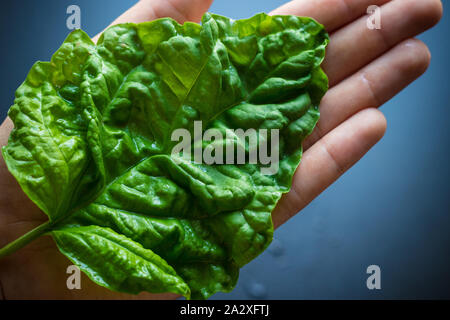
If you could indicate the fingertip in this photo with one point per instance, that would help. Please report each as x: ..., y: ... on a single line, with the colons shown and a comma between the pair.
x: 417, y: 55
x: 373, y: 123
x: 436, y: 11
x: 426, y: 13
x: 379, y: 123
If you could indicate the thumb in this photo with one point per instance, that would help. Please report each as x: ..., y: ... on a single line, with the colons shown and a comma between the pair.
x: 180, y: 10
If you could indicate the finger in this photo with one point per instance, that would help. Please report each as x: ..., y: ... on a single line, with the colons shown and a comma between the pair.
x: 328, y: 159
x: 356, y: 45
x: 147, y: 10
x: 372, y: 86
x: 333, y: 14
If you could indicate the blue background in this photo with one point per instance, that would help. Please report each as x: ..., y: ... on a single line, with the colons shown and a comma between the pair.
x: 391, y: 209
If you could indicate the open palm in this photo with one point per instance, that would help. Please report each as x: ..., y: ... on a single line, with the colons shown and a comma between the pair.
x: 365, y: 67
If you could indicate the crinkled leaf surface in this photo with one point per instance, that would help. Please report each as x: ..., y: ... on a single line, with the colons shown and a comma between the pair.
x: 92, y: 145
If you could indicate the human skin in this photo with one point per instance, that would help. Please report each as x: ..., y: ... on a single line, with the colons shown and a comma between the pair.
x: 365, y: 67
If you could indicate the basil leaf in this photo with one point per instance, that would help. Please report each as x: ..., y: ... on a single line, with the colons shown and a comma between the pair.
x: 139, y: 268
x: 92, y: 145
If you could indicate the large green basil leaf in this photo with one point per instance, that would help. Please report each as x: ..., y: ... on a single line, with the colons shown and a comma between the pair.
x: 92, y: 145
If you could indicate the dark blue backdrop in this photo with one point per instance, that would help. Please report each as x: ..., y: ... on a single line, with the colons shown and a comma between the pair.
x: 391, y: 209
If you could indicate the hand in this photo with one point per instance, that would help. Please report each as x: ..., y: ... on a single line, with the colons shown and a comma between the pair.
x: 365, y: 67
